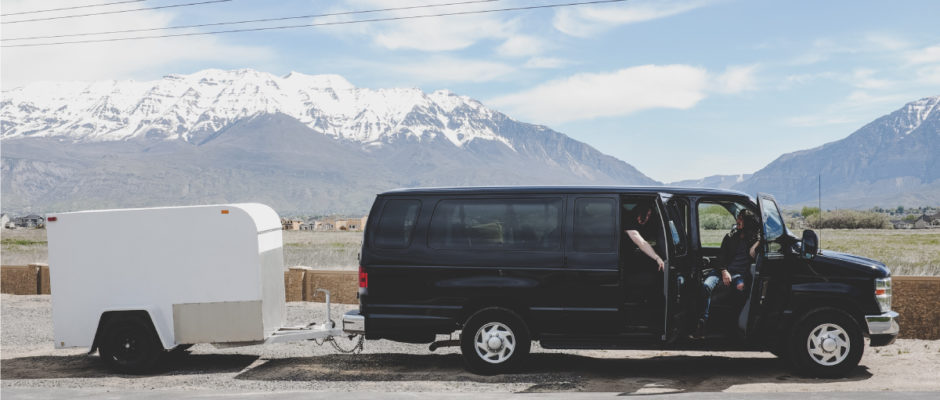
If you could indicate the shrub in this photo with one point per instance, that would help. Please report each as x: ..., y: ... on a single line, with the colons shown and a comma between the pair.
x: 808, y: 211
x: 850, y: 219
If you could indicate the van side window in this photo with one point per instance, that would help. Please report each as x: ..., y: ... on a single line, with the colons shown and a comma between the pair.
x: 397, y: 224
x: 506, y: 224
x: 595, y: 225
x: 715, y: 220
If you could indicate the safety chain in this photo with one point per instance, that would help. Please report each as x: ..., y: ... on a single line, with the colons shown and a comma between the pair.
x: 357, y: 349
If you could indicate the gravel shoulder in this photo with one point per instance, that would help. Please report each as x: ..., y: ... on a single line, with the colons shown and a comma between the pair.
x: 28, y: 360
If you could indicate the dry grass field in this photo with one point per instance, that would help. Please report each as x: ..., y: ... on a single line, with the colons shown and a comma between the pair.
x: 906, y: 252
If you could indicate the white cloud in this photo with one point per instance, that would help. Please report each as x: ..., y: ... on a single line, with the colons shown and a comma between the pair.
x: 111, y: 60
x: 736, y: 79
x: 622, y: 92
x: 447, y: 69
x: 521, y: 46
x: 929, y: 75
x: 585, y: 21
x: 545, y: 63
x: 927, y: 55
x: 438, y: 34
x: 863, y: 78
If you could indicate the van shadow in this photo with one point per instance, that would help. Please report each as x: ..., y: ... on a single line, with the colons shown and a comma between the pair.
x: 91, y: 366
x: 548, y: 372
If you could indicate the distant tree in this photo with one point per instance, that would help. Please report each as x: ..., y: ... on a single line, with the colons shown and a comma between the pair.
x: 900, y: 210
x: 809, y: 211
x: 911, y: 218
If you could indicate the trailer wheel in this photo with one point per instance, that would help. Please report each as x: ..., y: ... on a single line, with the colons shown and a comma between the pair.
x: 493, y: 341
x: 826, y: 344
x: 130, y: 345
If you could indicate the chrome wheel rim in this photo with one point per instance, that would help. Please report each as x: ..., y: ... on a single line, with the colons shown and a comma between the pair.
x: 828, y: 344
x: 494, y: 342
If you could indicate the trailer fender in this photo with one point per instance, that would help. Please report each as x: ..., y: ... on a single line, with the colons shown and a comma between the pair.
x: 151, y: 313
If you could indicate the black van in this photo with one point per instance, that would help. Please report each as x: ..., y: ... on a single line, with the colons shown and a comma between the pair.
x: 508, y: 265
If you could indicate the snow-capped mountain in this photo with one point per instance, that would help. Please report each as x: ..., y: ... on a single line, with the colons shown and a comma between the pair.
x: 301, y: 143
x: 892, y: 160
x: 194, y: 107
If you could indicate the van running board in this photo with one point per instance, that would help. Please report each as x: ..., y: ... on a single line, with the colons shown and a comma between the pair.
x: 444, y: 343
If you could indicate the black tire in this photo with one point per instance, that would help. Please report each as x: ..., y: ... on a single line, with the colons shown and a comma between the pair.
x: 494, y: 341
x: 826, y: 343
x: 129, y: 344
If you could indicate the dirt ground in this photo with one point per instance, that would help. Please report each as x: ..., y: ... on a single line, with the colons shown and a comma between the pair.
x: 28, y: 360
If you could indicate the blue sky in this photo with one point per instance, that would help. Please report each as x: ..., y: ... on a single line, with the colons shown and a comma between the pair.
x: 679, y: 89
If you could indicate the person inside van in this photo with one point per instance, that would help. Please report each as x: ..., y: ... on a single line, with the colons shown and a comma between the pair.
x: 636, y: 225
x: 738, y: 251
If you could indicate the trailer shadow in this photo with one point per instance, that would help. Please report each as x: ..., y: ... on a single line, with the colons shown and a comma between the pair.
x: 90, y: 366
x: 548, y: 372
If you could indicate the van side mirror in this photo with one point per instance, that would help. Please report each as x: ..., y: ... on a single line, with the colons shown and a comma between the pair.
x: 810, y: 245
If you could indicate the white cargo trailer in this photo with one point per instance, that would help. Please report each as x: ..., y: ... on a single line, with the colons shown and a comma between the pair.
x: 133, y: 283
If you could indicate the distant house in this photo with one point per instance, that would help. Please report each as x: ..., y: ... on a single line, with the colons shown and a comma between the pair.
x: 900, y: 224
x: 323, y: 225
x: 30, y: 221
x: 922, y: 222
x: 291, y: 224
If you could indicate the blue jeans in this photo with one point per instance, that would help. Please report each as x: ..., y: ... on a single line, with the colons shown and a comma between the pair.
x: 712, y: 279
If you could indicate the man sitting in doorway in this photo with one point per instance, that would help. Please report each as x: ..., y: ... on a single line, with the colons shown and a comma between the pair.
x: 636, y: 223
x: 738, y: 251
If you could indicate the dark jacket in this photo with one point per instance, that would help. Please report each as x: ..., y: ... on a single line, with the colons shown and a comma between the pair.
x: 729, y: 247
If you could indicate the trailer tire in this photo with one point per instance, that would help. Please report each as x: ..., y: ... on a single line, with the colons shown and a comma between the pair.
x: 129, y: 344
x: 494, y: 341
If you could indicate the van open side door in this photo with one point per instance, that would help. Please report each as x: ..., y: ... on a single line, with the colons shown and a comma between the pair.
x: 677, y: 266
x: 768, y: 268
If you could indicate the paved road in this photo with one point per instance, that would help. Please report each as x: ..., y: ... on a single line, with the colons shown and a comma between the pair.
x: 56, y: 393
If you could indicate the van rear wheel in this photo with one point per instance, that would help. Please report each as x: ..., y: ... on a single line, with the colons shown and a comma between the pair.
x: 493, y: 341
x: 130, y: 345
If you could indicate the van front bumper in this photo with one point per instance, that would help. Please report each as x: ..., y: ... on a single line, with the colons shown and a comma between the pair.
x: 883, y: 329
x: 354, y: 323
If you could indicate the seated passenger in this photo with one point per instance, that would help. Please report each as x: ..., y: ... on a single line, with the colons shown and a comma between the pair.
x: 738, y: 251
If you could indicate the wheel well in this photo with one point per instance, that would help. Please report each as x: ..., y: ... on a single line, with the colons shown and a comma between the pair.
x: 817, y: 303
x: 853, y: 312
x: 107, y: 316
x: 507, y: 305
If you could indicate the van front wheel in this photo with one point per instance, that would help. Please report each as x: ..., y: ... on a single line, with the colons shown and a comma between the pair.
x: 826, y: 344
x: 493, y: 341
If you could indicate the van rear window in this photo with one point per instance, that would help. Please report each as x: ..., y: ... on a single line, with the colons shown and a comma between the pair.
x: 595, y: 225
x: 505, y: 224
x: 396, y: 224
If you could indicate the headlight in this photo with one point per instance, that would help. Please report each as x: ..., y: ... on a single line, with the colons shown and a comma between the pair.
x: 883, y: 293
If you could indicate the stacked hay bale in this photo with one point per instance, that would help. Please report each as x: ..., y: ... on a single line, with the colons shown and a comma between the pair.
x: 294, y: 286
x: 343, y: 286
x: 915, y: 299
x: 19, y: 279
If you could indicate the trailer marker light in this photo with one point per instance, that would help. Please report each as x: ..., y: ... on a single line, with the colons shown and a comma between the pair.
x: 224, y: 211
x: 52, y: 219
x: 363, y: 278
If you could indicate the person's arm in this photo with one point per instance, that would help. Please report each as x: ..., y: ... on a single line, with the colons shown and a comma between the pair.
x: 645, y: 247
x: 753, y: 250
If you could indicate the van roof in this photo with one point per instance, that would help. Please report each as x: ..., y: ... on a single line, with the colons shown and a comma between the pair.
x: 565, y: 189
